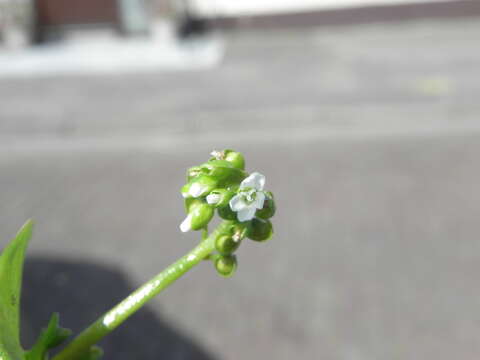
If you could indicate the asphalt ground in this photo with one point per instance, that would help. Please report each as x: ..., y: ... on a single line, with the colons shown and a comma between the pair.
x: 368, y: 136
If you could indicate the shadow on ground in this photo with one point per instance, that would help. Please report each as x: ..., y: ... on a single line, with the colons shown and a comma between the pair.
x: 80, y: 292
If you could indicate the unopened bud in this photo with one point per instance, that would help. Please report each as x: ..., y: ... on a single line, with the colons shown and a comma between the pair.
x: 194, y: 172
x: 260, y: 230
x: 226, y: 245
x: 227, y: 213
x: 226, y: 265
x: 199, y: 186
x: 223, y: 172
x: 268, y: 209
x: 235, y: 158
x: 199, y: 215
x: 219, y: 197
x: 239, y: 231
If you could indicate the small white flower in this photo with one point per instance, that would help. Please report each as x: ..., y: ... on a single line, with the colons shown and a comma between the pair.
x: 250, y: 197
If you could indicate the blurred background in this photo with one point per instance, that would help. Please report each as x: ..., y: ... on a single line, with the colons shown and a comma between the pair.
x: 362, y: 114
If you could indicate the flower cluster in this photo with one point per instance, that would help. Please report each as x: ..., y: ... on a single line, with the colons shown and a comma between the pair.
x: 239, y: 198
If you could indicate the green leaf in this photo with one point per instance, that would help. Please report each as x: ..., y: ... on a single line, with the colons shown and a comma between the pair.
x: 11, y: 269
x: 50, y: 337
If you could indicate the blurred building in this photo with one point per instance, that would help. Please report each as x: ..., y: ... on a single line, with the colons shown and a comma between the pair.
x: 24, y: 22
x: 16, y: 20
x: 34, y: 21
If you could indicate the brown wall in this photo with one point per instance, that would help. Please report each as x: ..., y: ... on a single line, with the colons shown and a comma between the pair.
x: 62, y: 12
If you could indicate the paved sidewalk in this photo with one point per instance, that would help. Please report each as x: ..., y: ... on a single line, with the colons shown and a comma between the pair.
x: 394, y: 78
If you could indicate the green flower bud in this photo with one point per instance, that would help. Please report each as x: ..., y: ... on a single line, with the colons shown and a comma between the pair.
x: 235, y: 158
x: 224, y: 172
x: 193, y: 172
x: 199, y: 215
x: 226, y: 265
x: 268, y: 209
x: 226, y: 213
x: 226, y: 245
x: 239, y: 230
x: 219, y: 197
x: 199, y: 186
x: 260, y: 230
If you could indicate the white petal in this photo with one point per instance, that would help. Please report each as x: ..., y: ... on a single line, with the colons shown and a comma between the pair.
x: 255, y: 180
x: 213, y: 198
x: 186, y: 225
x: 196, y: 190
x: 237, y: 203
x: 246, y: 214
x: 260, y: 199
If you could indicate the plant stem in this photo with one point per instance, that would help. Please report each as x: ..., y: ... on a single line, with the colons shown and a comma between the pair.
x: 79, y: 346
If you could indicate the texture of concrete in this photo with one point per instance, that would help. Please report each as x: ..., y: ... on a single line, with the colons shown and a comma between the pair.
x: 369, y: 137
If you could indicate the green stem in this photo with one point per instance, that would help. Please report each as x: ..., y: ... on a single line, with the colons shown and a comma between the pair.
x: 112, y: 319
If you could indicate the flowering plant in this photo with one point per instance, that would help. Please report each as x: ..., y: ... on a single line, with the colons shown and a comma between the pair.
x: 222, y: 185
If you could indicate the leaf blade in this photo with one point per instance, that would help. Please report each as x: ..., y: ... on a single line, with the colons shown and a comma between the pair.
x: 11, y: 271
